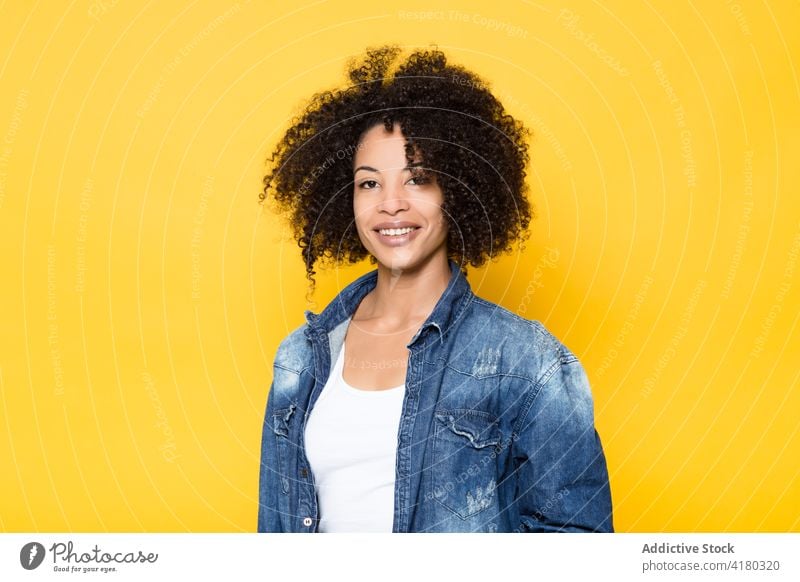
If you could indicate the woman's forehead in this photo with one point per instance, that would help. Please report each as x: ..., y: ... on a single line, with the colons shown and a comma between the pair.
x: 382, y: 149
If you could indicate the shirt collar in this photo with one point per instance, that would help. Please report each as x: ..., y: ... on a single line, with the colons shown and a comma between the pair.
x: 446, y: 312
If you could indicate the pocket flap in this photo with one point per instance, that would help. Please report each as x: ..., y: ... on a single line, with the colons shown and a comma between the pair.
x: 474, y: 426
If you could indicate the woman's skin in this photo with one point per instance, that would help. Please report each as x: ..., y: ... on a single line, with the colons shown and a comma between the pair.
x: 413, y: 270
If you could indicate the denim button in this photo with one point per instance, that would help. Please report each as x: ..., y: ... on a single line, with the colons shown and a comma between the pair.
x: 303, y: 473
x: 307, y: 521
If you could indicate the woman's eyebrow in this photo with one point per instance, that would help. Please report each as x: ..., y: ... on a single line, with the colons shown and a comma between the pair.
x: 371, y: 169
x: 367, y: 168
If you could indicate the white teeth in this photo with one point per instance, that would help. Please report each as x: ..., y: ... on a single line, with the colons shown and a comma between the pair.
x: 396, y: 231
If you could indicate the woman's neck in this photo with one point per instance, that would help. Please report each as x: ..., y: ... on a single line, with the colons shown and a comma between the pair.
x: 404, y: 296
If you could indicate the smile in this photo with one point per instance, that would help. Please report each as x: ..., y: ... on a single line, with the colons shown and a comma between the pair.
x: 397, y: 231
x: 395, y: 237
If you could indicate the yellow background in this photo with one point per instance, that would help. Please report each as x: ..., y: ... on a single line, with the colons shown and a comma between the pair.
x: 144, y: 290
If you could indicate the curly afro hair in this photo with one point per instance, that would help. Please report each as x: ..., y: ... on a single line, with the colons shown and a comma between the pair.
x: 450, y: 120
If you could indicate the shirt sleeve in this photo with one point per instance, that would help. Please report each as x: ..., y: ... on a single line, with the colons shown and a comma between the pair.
x: 562, y: 479
x: 268, y: 514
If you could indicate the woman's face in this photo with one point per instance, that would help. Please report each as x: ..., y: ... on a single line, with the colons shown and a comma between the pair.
x: 398, y: 209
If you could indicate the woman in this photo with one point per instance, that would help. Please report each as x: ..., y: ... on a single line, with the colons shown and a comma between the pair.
x: 409, y: 404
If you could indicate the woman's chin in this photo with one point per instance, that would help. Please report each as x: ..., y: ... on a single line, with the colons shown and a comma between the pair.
x: 397, y: 260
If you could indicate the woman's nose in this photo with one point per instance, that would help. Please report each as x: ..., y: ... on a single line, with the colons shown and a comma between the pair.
x: 394, y: 198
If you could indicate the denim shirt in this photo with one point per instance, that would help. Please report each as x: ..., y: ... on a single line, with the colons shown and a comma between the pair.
x: 496, y: 433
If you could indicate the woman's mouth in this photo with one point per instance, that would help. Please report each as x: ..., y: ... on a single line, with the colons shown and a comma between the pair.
x: 397, y: 236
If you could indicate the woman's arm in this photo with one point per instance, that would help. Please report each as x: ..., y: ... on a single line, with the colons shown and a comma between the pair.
x: 268, y: 516
x: 561, y: 469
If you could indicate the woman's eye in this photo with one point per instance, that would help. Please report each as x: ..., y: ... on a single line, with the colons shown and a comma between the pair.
x: 414, y: 181
x: 419, y: 180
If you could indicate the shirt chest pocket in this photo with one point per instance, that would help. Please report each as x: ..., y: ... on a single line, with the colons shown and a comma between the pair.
x: 281, y: 420
x: 466, y: 444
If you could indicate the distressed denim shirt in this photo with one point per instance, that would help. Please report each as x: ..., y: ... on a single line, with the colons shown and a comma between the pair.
x: 496, y: 433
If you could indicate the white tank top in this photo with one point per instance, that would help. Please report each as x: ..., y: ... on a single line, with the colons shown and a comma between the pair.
x: 351, y: 444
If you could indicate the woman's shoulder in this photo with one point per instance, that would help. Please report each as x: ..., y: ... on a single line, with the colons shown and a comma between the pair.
x: 499, y: 325
x: 293, y: 352
x: 493, y: 316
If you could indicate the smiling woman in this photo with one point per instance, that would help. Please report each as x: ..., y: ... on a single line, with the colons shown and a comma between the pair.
x: 410, y: 404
